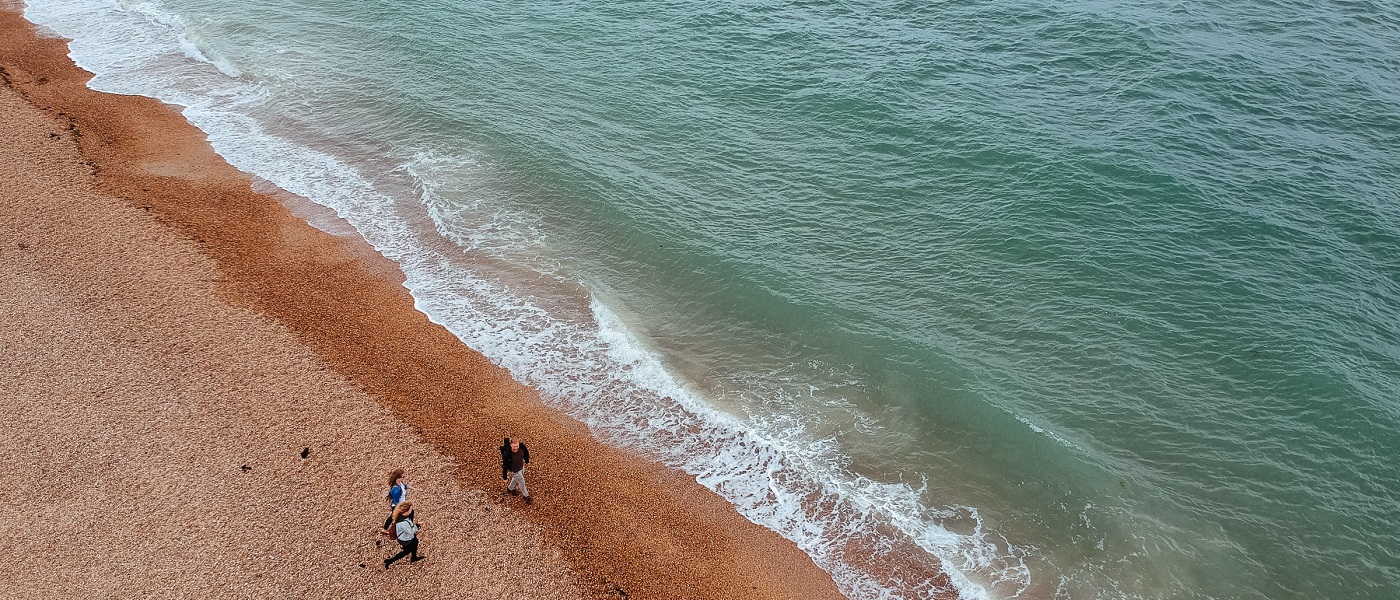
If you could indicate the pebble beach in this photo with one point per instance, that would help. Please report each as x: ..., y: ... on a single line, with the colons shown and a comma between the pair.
x: 203, y: 394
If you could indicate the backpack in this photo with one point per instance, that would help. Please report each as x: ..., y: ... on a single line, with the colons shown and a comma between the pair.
x: 405, y: 530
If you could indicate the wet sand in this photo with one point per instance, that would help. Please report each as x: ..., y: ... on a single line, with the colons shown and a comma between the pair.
x: 171, y: 342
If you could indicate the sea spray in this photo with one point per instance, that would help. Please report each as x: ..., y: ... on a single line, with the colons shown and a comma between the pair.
x: 1094, y: 300
x: 593, y: 369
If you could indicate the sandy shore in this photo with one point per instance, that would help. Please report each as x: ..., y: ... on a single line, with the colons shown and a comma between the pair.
x: 171, y: 342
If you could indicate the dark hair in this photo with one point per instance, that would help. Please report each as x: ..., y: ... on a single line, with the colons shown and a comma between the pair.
x: 394, y: 476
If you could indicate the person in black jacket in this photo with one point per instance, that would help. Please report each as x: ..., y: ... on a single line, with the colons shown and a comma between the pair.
x: 514, y: 457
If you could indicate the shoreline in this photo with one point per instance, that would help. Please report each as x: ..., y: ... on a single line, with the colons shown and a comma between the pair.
x: 598, y: 508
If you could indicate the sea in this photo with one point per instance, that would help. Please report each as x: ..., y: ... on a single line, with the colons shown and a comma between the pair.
x: 1071, y: 299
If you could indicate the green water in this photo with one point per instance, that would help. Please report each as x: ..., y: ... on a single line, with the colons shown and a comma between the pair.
x: 1112, y: 290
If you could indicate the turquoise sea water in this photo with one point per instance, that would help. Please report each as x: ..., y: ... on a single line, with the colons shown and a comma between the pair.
x: 1068, y: 300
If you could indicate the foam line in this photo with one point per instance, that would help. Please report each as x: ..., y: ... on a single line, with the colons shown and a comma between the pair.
x: 592, y: 368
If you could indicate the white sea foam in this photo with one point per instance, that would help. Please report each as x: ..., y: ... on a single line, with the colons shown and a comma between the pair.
x: 592, y: 366
x: 189, y: 43
x: 1045, y: 432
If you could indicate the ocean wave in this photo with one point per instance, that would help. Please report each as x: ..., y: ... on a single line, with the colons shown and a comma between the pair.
x: 583, y: 358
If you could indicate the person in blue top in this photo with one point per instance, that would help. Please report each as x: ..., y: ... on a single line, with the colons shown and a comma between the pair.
x: 398, y: 492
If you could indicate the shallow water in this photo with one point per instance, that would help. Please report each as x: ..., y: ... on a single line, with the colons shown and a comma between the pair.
x: 1070, y: 300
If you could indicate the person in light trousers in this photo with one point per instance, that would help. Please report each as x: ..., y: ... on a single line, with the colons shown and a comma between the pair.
x: 514, y: 457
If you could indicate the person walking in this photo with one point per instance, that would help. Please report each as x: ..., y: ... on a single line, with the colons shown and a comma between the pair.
x: 398, y: 492
x: 405, y: 530
x: 514, y: 457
